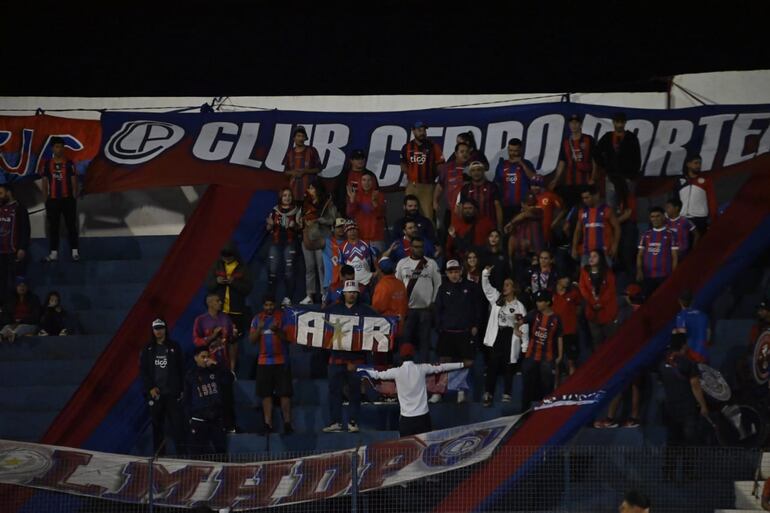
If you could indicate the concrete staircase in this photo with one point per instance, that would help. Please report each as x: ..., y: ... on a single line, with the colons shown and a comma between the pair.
x: 38, y: 375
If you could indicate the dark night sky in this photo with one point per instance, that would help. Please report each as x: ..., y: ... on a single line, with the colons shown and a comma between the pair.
x: 227, y: 48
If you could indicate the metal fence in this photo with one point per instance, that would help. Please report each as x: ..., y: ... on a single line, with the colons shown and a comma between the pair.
x: 558, y: 479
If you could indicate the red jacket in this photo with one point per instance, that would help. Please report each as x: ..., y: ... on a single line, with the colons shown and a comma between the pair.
x: 607, y: 298
x: 390, y: 298
x: 369, y: 218
x: 463, y: 240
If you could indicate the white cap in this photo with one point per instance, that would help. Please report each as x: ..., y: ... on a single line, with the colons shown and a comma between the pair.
x: 350, y: 286
x: 453, y: 264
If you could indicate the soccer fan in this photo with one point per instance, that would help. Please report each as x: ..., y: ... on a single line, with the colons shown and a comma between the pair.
x: 318, y: 217
x: 450, y: 180
x: 526, y: 232
x: 273, y: 369
x: 765, y: 499
x: 458, y: 316
x: 358, y: 254
x: 161, y: 367
x: 334, y: 294
x: 283, y: 224
x: 545, y: 350
x: 493, y: 255
x: 366, y: 206
x: 683, y: 402
x: 685, y: 234
x: 419, y: 159
x: 634, y: 502
x: 214, y: 330
x: 577, y: 165
x: 342, y: 365
x: 203, y: 386
x: 20, y: 313
x: 402, y: 248
x: 230, y: 278
x: 412, y: 392
x: 469, y: 139
x: 486, y: 194
x: 695, y: 325
x: 54, y: 320
x: 421, y: 277
x: 657, y: 255
x: 620, y: 155
x: 549, y: 204
x: 425, y: 227
x: 470, y: 231
x: 389, y: 297
x: 301, y: 164
x: 350, y: 177
x: 696, y: 192
x: 14, y: 240
x: 472, y: 266
x: 331, y: 256
x: 544, y: 276
x: 597, y: 228
x: 597, y: 286
x: 61, y: 190
x: 512, y: 177
x: 506, y: 313
x: 566, y: 304
x: 625, y: 211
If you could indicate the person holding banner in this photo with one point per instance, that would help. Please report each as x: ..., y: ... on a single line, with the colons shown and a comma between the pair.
x: 301, y: 164
x: 419, y: 158
x: 61, y: 186
x: 342, y: 363
x: 412, y: 392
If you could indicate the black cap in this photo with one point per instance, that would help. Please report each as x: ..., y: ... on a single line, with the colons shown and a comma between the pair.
x: 543, y: 295
x: 358, y: 154
x: 619, y: 116
x: 299, y: 130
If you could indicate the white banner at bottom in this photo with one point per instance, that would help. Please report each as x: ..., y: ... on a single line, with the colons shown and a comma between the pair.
x: 243, y: 486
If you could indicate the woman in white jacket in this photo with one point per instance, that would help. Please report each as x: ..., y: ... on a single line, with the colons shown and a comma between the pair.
x: 506, y: 312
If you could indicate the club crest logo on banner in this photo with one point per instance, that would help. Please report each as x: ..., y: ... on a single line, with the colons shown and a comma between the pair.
x: 761, y: 359
x: 140, y: 141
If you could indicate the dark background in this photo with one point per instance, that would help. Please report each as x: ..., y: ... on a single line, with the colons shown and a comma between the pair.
x: 246, y: 48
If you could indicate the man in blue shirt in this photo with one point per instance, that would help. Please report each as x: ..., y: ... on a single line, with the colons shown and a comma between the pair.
x: 695, y: 324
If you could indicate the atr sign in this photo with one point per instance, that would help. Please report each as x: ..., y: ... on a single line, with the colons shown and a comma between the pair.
x: 185, y: 484
x: 140, y: 149
x: 324, y: 330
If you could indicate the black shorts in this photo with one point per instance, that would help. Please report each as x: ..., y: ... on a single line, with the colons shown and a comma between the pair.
x: 457, y: 346
x: 274, y: 379
x: 571, y: 346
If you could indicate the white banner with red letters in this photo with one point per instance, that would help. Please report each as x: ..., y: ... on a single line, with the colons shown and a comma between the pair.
x: 244, y: 486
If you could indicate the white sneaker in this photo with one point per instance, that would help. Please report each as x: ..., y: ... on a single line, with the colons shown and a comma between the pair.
x: 435, y: 398
x: 53, y: 256
x: 286, y: 302
x: 75, y: 255
x: 506, y: 398
x: 460, y: 396
x: 353, y: 427
x: 334, y: 427
x: 307, y: 301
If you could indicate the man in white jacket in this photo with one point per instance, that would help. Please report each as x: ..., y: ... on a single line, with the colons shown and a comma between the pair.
x: 411, y: 389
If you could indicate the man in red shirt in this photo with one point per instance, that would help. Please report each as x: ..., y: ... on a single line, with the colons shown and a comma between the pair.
x: 566, y: 304
x: 544, y: 352
x: 577, y: 166
x: 486, y: 194
x: 469, y: 231
x: 451, y: 178
x: 61, y: 187
x: 301, y: 164
x: 548, y: 203
x: 597, y: 228
x: 419, y: 158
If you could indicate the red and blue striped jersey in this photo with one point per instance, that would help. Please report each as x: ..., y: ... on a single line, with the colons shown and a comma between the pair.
x: 597, y: 231
x: 658, y: 246
x: 484, y: 194
x: 451, y: 177
x: 681, y: 227
x: 544, y: 333
x: 577, y: 156
x: 513, y: 182
x: 306, y: 159
x: 273, y: 350
x: 421, y: 161
x: 60, y: 175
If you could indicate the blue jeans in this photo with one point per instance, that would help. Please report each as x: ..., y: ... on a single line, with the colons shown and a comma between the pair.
x: 339, y: 375
x: 285, y: 252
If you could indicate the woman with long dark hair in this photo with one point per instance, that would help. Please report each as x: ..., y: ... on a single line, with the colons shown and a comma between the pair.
x: 54, y: 321
x: 493, y: 255
x: 597, y: 286
x: 284, y: 224
x: 472, y: 266
x: 318, y: 215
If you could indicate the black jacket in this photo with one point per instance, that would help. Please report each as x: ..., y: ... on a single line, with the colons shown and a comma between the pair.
x: 627, y: 162
x: 203, y: 392
x: 175, y: 384
x: 458, y: 306
x: 239, y: 288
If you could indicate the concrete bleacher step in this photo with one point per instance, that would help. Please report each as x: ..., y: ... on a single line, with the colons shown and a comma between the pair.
x: 26, y: 425
x: 99, y: 320
x: 90, y: 272
x: 111, y: 248
x: 36, y: 397
x: 744, y: 495
x: 281, y: 444
x: 52, y: 372
x: 40, y: 349
x: 104, y: 295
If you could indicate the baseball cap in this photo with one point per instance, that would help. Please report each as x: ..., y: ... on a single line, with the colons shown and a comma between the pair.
x: 386, y: 265
x: 406, y: 350
x: 575, y: 117
x: 543, y: 295
x: 299, y: 130
x: 358, y: 154
x: 158, y: 323
x: 340, y: 221
x: 350, y: 286
x: 419, y: 124
x: 619, y: 116
x: 452, y: 265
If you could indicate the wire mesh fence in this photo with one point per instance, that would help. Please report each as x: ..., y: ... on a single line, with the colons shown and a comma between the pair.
x: 524, y: 479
